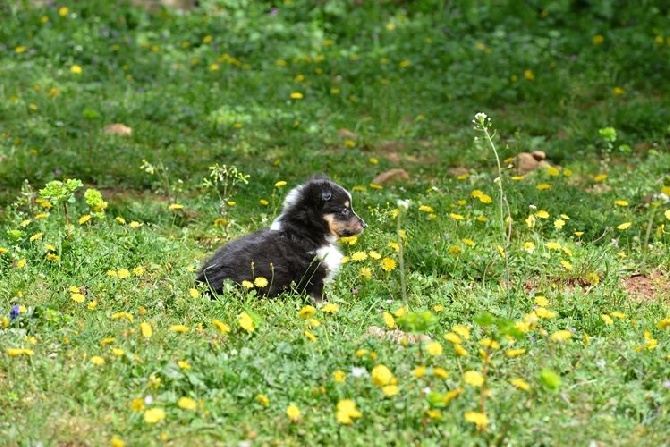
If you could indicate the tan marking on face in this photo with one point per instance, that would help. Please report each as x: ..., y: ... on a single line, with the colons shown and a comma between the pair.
x: 332, y: 224
x: 347, y: 204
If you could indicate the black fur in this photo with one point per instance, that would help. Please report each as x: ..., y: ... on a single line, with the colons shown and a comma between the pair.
x: 314, y: 216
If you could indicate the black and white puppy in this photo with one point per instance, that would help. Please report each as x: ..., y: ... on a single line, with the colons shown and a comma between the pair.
x: 298, y: 252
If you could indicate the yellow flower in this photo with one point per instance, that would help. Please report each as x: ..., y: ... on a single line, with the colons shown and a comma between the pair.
x: 618, y: 315
x: 559, y: 223
x: 76, y: 69
x: 419, y: 371
x: 280, y: 183
x: 77, y: 298
x: 83, y: 219
x: 347, y: 412
x: 456, y: 216
x: 263, y: 400
x: 460, y: 351
x: 530, y: 221
x: 365, y: 272
x: 374, y: 255
x: 543, y: 187
x: 389, y: 320
x: 193, y: 293
x: 330, y: 308
x: 297, y: 95
x: 182, y: 364
x: 14, y: 352
x: 359, y: 256
x: 310, y: 335
x: 529, y: 75
x: 179, y: 328
x: 438, y: 308
x: 175, y: 207
x: 137, y: 404
x: 473, y: 378
x: 36, y: 236
x: 515, y: 352
x: 220, y: 326
x: 118, y: 351
x: 187, y: 403
x: 154, y: 415
x: 667, y: 214
x: 542, y: 214
x: 553, y: 245
x: 425, y: 208
x: 381, y: 376
x: 388, y: 264
x: 247, y: 284
x: 146, y: 329
x: 600, y: 178
x: 625, y: 226
x: 479, y: 419
x: 245, y: 322
x: 433, y: 348
x: 483, y: 197
x: 350, y: 240
x: 260, y: 282
x: 293, y: 413
x: 107, y: 341
x: 541, y: 300
x: 307, y: 312
x: 520, y: 384
x: 545, y: 313
x: 462, y: 331
x: 339, y: 376
x: 489, y: 343
x: 561, y: 335
x: 123, y: 273
x: 122, y: 315
x: 598, y: 39
x: 97, y: 360
x: 390, y: 390
x: 440, y: 373
x: 52, y: 257
x: 116, y: 442
x: 566, y: 265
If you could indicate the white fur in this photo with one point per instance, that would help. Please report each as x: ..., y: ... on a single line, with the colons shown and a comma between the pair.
x: 331, y: 256
x: 290, y: 200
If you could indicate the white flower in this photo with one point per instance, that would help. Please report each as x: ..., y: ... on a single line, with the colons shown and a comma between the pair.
x: 358, y: 372
x: 481, y: 116
x: 148, y: 400
x: 403, y: 204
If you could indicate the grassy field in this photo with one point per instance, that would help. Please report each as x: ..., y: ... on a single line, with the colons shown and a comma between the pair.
x: 482, y: 305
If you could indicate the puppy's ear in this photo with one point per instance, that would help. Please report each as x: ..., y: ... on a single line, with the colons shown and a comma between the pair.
x: 326, y: 195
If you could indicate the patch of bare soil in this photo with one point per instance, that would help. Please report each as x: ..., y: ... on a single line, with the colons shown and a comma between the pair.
x: 654, y: 286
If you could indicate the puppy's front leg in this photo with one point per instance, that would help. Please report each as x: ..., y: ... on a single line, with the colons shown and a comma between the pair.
x: 316, y: 291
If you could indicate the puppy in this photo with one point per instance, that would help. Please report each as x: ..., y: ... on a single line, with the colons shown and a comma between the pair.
x: 297, y: 252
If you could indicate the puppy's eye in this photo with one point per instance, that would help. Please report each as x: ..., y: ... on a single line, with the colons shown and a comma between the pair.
x: 345, y: 212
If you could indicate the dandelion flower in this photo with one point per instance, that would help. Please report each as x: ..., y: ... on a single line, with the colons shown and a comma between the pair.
x: 606, y: 319
x: 182, y: 364
x: 331, y: 308
x: 479, y: 419
x: 220, y: 326
x: 440, y: 373
x: 76, y: 69
x: 247, y: 284
x: 461, y: 330
x: 77, y: 298
x: 307, y: 311
x: 460, y: 351
x: 187, y: 403
x: 365, y: 273
x: 388, y: 264
x: 433, y: 348
x: 293, y: 413
x: 473, y: 378
x: 389, y: 320
x: 520, y: 384
x: 154, y: 415
x: 359, y: 256
x: 390, y: 390
x: 260, y: 282
x: 561, y: 335
x: 297, y: 95
x: 515, y: 352
x: 97, y: 360
x: 179, y: 328
x: 263, y: 400
x: 625, y: 226
x: 419, y: 371
x: 381, y: 376
x: 116, y: 442
x: 146, y: 329
x: 245, y: 322
x: 347, y: 412
x: 339, y: 376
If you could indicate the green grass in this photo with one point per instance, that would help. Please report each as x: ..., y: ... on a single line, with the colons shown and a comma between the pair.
x: 381, y: 86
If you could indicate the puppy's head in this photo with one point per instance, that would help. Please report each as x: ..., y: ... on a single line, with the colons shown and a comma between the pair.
x: 336, y: 208
x: 328, y: 204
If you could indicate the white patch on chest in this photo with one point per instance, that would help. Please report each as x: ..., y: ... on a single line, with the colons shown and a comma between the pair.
x: 331, y: 256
